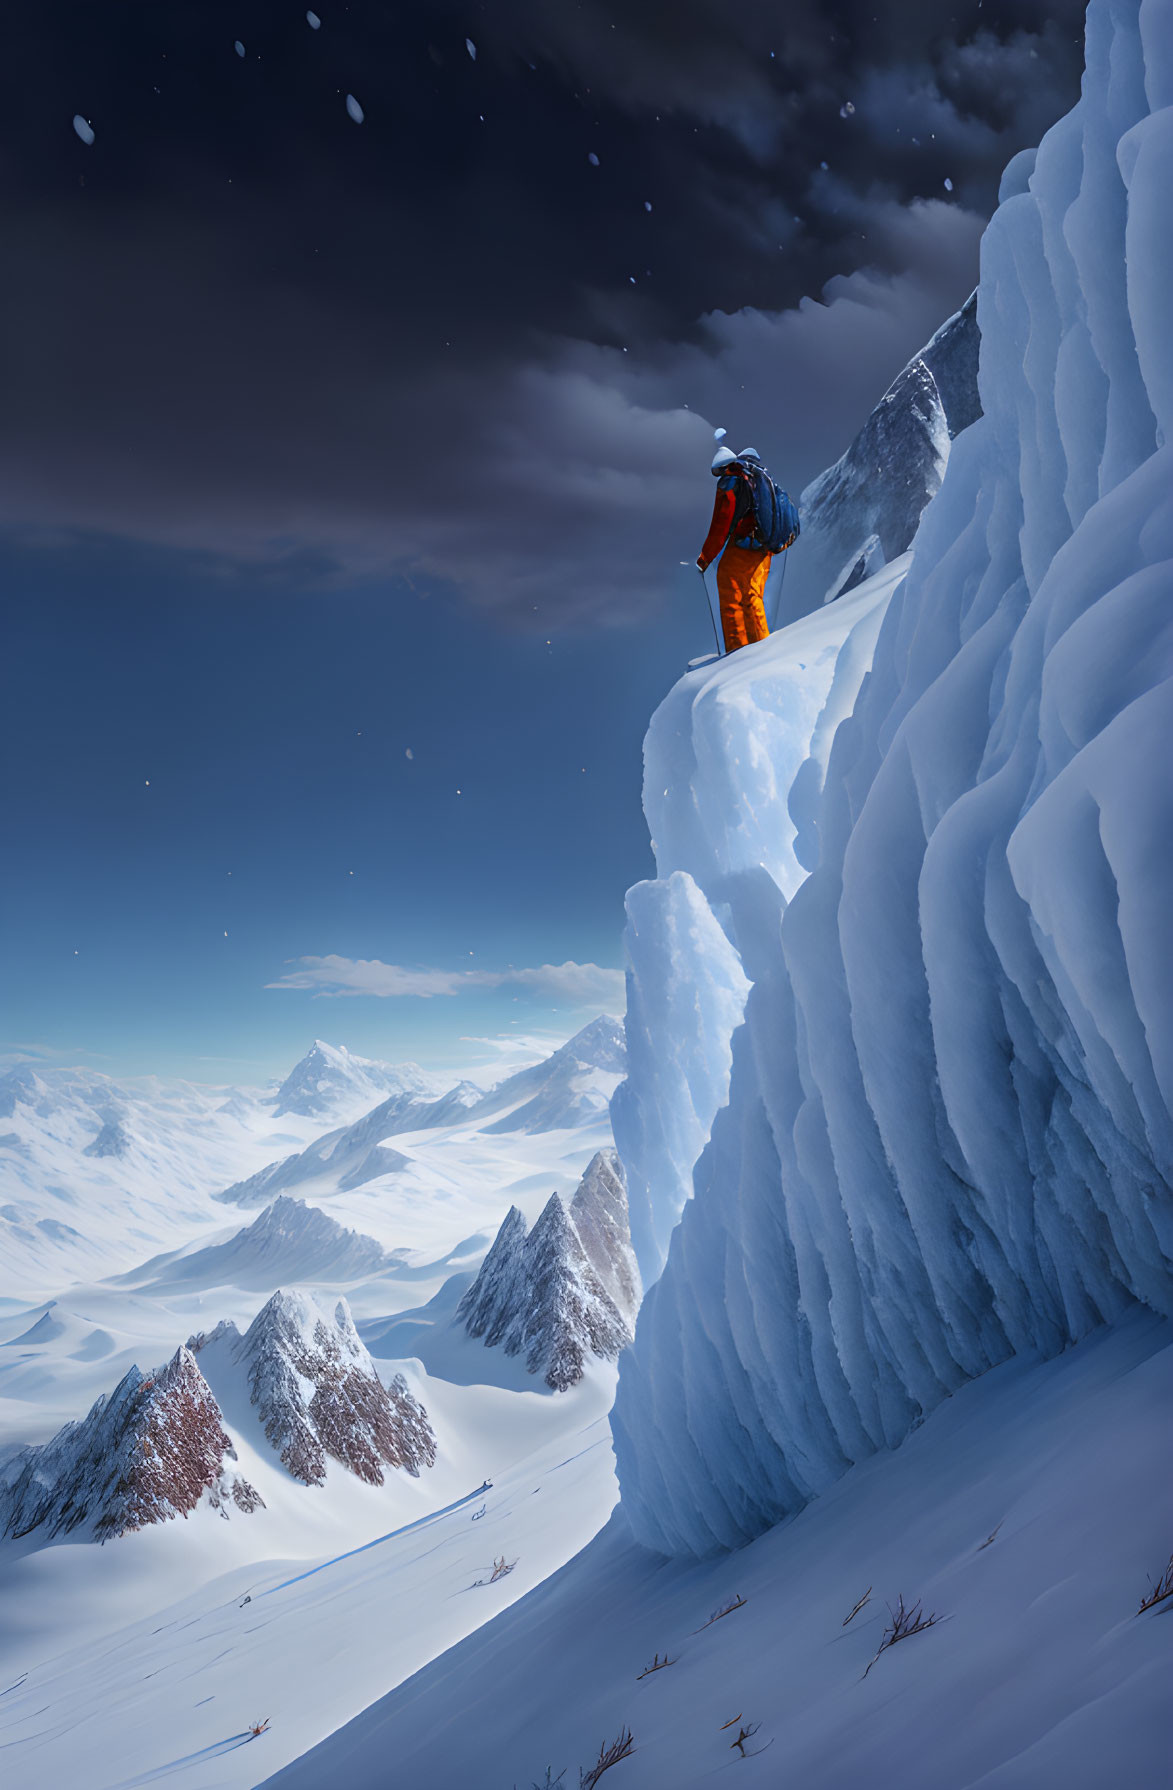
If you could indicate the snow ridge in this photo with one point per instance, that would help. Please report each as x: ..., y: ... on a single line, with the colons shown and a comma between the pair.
x: 948, y: 1135
x: 146, y: 1452
x: 289, y: 1240
x: 565, y: 1290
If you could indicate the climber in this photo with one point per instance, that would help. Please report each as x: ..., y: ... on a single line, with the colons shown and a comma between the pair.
x: 749, y: 539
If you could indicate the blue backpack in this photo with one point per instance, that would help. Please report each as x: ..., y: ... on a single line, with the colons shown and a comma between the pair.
x: 776, y: 522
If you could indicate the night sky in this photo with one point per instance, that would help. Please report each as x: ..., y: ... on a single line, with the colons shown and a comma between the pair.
x: 358, y: 398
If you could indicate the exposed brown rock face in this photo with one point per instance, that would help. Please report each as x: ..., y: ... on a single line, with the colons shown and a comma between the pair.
x: 146, y: 1453
x: 293, y: 1345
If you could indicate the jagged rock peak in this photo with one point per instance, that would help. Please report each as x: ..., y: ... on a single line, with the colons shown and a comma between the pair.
x: 599, y: 1215
x: 148, y: 1451
x: 864, y: 511
x: 567, y: 1289
x: 318, y: 1395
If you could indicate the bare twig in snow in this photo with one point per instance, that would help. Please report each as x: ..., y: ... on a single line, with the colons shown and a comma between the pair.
x: 989, y: 1538
x: 743, y: 1735
x: 256, y: 1728
x: 1160, y: 1591
x: 620, y: 1748
x: 855, y: 1610
x: 902, y: 1623
x: 735, y: 1603
x: 657, y: 1665
x: 731, y: 1721
x: 549, y: 1782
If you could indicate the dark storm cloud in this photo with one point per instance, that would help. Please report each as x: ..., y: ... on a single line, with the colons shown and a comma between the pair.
x: 244, y: 325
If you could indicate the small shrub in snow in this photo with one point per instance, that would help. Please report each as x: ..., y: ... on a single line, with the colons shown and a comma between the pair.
x: 620, y: 1748
x: 902, y: 1622
x: 657, y: 1665
x: 257, y: 1728
x: 744, y: 1734
x: 735, y: 1603
x: 549, y: 1782
x: 989, y: 1538
x: 500, y: 1568
x: 1160, y: 1591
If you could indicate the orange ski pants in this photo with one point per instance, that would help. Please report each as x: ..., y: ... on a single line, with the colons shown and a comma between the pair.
x: 741, y: 584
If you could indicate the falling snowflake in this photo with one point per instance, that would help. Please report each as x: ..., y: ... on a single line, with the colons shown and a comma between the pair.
x: 948, y: 184
x: 408, y: 753
x: 83, y: 127
x: 847, y: 110
x: 471, y: 48
x: 593, y: 159
x: 355, y: 110
x: 313, y: 21
x: 823, y: 166
x: 647, y: 205
x: 238, y: 47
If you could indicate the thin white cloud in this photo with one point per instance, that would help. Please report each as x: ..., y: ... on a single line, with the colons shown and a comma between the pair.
x: 565, y: 984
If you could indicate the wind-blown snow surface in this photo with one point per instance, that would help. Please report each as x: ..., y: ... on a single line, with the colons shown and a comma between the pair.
x: 1039, y: 1677
x: 948, y: 1135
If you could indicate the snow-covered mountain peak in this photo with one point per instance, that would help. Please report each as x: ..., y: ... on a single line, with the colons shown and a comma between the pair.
x: 329, y: 1081
x: 864, y: 511
x: 599, y: 1215
x: 565, y: 1290
x: 317, y: 1393
x: 148, y: 1451
x: 599, y: 1045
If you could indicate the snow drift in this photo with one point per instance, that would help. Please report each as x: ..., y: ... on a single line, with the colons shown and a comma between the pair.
x: 948, y: 1132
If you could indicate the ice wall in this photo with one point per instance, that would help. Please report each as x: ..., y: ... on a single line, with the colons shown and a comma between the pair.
x: 948, y: 1133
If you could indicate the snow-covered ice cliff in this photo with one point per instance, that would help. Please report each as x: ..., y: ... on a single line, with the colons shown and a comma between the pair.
x: 948, y: 1134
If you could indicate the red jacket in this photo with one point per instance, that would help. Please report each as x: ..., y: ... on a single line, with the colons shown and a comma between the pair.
x: 731, y: 505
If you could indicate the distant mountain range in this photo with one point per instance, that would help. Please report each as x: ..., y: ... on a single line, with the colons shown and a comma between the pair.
x: 569, y: 1089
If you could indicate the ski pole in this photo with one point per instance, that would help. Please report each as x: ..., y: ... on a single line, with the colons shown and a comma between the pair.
x: 712, y: 617
x: 778, y: 604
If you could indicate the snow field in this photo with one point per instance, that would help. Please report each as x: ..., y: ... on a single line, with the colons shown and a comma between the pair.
x: 1042, y: 1675
x: 161, y: 1681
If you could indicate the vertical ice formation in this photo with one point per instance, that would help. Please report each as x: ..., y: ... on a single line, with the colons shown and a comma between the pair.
x: 948, y: 1132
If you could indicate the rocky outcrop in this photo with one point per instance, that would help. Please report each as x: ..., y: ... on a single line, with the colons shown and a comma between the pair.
x: 318, y: 1396
x: 864, y: 511
x: 599, y: 1215
x: 112, y: 1139
x: 566, y: 1290
x: 149, y: 1451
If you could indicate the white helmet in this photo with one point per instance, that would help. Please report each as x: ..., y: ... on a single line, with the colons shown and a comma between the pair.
x: 722, y: 460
